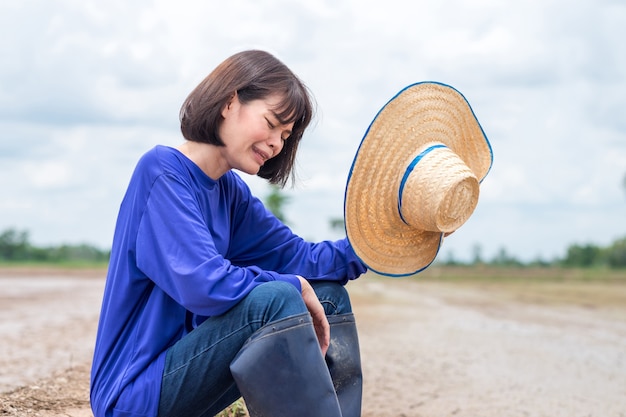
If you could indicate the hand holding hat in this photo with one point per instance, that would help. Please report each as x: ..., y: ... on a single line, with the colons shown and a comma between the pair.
x: 415, y: 177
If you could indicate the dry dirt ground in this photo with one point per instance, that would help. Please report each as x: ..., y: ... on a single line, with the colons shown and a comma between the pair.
x: 429, y: 349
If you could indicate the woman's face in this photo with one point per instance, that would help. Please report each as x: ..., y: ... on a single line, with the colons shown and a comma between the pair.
x: 252, y: 133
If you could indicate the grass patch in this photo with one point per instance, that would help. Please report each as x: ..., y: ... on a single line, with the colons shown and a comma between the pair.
x: 236, y: 409
x: 593, y: 288
x: 68, y: 268
x: 487, y: 273
x: 76, y: 264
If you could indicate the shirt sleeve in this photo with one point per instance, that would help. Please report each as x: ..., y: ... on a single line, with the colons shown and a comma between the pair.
x: 175, y: 249
x: 263, y: 240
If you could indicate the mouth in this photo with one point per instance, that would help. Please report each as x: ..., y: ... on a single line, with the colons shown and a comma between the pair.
x: 261, y: 156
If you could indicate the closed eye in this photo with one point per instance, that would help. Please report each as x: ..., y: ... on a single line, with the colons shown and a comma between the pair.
x: 285, y: 134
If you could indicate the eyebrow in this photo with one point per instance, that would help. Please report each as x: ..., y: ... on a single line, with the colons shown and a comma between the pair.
x: 280, y: 121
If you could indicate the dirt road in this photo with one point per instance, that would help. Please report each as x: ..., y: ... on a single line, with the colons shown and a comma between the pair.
x: 429, y: 349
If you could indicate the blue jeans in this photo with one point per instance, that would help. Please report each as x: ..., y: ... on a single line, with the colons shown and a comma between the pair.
x: 197, y: 379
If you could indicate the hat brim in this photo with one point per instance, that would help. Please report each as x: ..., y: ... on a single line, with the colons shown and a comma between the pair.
x: 421, y: 113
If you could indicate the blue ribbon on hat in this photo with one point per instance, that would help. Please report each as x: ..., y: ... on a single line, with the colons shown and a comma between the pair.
x: 408, y: 171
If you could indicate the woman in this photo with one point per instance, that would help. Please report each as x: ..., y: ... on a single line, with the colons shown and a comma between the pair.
x: 208, y: 296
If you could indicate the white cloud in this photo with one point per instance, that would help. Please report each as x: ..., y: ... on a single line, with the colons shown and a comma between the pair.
x: 87, y: 86
x: 49, y: 174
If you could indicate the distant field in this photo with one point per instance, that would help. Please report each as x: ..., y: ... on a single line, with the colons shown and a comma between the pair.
x: 590, y: 288
x: 522, y: 274
x: 86, y: 269
x: 434, y: 272
x: 578, y: 286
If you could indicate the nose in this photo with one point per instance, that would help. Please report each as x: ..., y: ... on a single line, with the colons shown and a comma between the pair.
x: 275, y: 142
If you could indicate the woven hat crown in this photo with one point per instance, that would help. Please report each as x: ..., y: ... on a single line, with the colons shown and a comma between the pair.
x: 438, y: 191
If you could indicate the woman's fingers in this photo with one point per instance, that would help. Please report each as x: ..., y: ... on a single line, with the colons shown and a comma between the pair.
x: 320, y: 322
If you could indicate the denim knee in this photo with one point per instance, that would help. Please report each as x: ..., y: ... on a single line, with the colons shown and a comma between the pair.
x: 333, y: 296
x: 197, y: 366
x: 276, y: 300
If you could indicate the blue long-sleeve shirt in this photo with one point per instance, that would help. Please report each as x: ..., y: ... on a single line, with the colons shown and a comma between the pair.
x: 186, y: 245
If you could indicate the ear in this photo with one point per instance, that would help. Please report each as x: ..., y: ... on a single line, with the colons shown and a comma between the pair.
x: 229, y: 105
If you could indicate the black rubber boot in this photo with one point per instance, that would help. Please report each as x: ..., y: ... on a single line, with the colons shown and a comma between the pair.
x: 344, y: 363
x: 280, y: 372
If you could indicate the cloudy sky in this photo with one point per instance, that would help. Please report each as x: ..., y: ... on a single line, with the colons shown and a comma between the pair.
x: 88, y: 86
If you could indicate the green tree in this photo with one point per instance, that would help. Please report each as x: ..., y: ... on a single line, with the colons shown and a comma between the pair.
x: 616, y: 254
x: 276, y: 201
x: 503, y: 258
x: 337, y: 223
x: 583, y: 255
x: 14, y: 245
x: 451, y: 259
x: 477, y: 251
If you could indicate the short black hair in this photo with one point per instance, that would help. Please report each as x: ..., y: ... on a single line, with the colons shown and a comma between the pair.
x: 252, y: 75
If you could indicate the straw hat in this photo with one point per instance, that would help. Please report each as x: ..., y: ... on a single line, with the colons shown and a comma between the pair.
x: 414, y: 178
